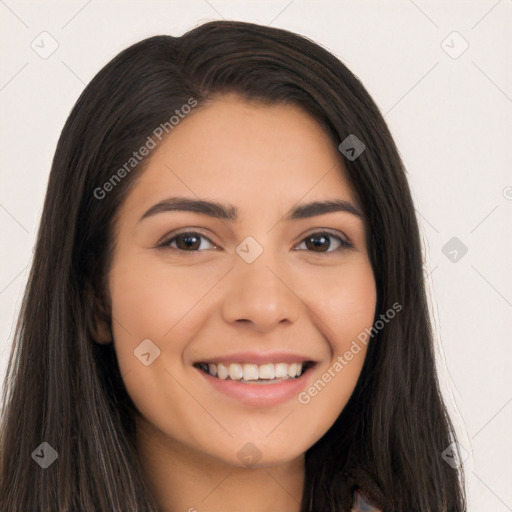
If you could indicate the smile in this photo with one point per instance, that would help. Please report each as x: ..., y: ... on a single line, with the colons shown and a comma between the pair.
x: 267, y: 373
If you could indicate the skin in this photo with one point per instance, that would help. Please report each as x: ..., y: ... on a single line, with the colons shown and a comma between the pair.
x: 193, y: 304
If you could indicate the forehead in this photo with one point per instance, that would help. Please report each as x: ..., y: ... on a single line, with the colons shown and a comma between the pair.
x: 251, y: 153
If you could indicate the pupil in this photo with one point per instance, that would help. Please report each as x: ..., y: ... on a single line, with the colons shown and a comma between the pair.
x: 324, y: 241
x: 187, y: 244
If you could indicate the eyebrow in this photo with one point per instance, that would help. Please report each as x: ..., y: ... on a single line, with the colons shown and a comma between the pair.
x: 230, y: 212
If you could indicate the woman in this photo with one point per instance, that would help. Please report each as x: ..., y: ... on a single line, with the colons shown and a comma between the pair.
x: 226, y: 308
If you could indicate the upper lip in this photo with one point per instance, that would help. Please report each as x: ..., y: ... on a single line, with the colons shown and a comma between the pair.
x: 258, y: 358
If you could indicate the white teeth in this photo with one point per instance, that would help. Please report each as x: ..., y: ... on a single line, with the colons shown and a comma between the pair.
x: 281, y: 370
x: 235, y: 371
x: 250, y: 371
x: 222, y: 371
x: 292, y: 369
x: 254, y: 372
x: 266, y: 371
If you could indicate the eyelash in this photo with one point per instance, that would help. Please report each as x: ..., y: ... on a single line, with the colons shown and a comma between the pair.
x: 344, y: 244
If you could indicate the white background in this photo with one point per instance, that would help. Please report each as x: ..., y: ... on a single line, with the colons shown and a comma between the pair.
x: 451, y: 119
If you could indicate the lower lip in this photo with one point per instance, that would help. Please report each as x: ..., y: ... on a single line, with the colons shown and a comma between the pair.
x: 259, y: 395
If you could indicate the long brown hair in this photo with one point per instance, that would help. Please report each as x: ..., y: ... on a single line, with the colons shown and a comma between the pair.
x: 64, y: 389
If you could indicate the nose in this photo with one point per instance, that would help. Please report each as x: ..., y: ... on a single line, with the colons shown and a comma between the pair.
x: 260, y: 295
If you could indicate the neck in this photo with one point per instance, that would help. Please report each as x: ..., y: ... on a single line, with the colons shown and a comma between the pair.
x: 185, y: 480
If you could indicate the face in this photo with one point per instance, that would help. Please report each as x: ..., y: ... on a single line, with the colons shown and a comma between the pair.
x: 233, y: 320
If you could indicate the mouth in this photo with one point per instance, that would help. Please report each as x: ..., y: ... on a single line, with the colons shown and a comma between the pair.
x: 252, y: 373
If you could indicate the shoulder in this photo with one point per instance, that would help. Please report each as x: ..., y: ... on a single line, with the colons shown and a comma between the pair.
x: 360, y: 504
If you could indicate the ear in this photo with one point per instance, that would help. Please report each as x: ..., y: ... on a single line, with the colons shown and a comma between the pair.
x: 101, y: 330
x: 98, y: 319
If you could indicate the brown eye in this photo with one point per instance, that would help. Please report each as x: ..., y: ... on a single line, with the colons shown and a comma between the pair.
x: 321, y: 242
x: 188, y: 241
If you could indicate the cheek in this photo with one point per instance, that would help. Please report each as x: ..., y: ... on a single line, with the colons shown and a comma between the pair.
x: 352, y: 313
x: 344, y: 302
x: 161, y: 303
x: 157, y: 301
x: 150, y: 298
